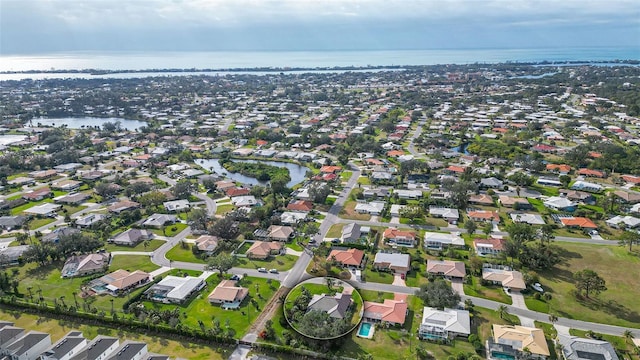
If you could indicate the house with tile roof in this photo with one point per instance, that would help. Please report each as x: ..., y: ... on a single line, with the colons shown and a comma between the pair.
x: 447, y: 268
x: 390, y: 311
x: 82, y: 265
x: 484, y: 216
x: 263, y: 249
x: 578, y: 222
x: 513, y: 340
x: 509, y: 279
x: 227, y: 292
x: 394, y: 236
x: 488, y: 247
x: 119, y: 282
x: 352, y: 258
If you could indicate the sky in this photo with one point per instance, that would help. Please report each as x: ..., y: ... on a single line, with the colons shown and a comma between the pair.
x: 45, y: 26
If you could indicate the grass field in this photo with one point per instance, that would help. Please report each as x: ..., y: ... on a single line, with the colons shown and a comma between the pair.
x: 335, y: 231
x: 224, y: 208
x: 169, y: 231
x: 280, y: 262
x: 382, y: 277
x: 132, y: 263
x: 151, y: 246
x: 348, y: 212
x: 495, y: 293
x: 37, y: 223
x: 618, y: 305
x: 159, y: 345
x: 178, y: 253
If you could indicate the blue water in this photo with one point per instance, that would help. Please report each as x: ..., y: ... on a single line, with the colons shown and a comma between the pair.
x: 365, y: 329
x: 87, y: 121
x: 305, y: 59
x: 497, y: 355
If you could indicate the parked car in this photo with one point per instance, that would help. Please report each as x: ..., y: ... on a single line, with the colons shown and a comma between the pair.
x: 273, y: 271
x: 262, y: 270
x: 537, y: 287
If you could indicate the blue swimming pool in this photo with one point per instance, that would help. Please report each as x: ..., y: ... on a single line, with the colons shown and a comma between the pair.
x: 501, y: 356
x: 366, y: 330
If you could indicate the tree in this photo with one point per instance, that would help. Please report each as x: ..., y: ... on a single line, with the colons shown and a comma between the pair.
x: 470, y: 226
x: 198, y: 218
x: 503, y: 311
x: 629, y: 238
x: 183, y: 189
x: 553, y: 318
x: 221, y: 262
x: 225, y: 228
x: 438, y: 294
x: 589, y: 281
x: 106, y: 190
x: 487, y: 228
x: 319, y: 192
x: 412, y: 212
x: 628, y: 336
x: 521, y: 179
x: 545, y: 233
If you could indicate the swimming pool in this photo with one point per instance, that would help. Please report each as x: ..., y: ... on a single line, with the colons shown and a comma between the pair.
x: 501, y: 356
x: 366, y: 330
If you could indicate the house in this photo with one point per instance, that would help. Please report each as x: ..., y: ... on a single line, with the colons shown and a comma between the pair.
x: 491, y: 183
x: 399, y: 237
x: 578, y: 222
x: 577, y: 348
x: 89, y: 219
x: 484, y: 216
x: 12, y: 222
x: 513, y: 340
x: 66, y: 185
x: 336, y: 306
x: 624, y: 222
x: 376, y: 193
x: 448, y: 269
x: 509, y: 279
x: 586, y: 186
x: 73, y: 199
x: 627, y: 197
x: 352, y: 258
x: 393, y: 312
x: 9, y: 334
x: 131, y: 237
x: 444, y: 324
x: 46, y: 209
x: 37, y: 195
x: 395, y: 262
x: 630, y: 179
x: 244, y: 201
x: 237, y: 191
x: 263, y: 249
x: 408, y: 194
x: 560, y: 204
x: 11, y: 255
x: 70, y: 344
x: 578, y: 196
x: 481, y: 199
x: 562, y: 169
x: 292, y: 217
x: 488, y: 247
x: 514, y: 202
x: 55, y: 235
x: 300, y: 205
x: 119, y: 282
x: 280, y: 233
x: 99, y: 349
x: 174, y: 289
x: 27, y: 347
x: 176, y: 205
x: 438, y: 241
x: 372, y: 207
x: 227, y: 292
x: 159, y: 220
x: 531, y: 219
x: 449, y: 214
x: 82, y: 265
x: 590, y: 173
x: 207, y: 244
x: 330, y: 169
x: 131, y: 350
x: 351, y: 233
x: 548, y: 182
x: 123, y: 205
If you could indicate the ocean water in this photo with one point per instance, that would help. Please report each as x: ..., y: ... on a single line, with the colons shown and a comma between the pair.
x: 303, y: 59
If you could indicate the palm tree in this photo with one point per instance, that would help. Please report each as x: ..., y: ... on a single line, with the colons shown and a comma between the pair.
x: 503, y: 311
x: 553, y: 318
x: 628, y: 335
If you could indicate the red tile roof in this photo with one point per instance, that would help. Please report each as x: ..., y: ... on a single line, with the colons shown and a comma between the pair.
x: 351, y: 257
x: 579, y: 222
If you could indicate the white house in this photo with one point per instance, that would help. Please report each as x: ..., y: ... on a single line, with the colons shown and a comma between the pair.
x: 437, y: 241
x: 444, y: 324
x: 449, y: 214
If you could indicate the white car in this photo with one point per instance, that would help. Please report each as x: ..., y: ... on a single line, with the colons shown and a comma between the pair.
x: 537, y: 287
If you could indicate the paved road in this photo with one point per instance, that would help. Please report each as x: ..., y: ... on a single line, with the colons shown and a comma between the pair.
x: 416, y: 134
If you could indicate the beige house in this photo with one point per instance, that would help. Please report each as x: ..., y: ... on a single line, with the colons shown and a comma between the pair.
x: 280, y: 233
x: 227, y: 292
x: 447, y: 268
x: 517, y: 340
x: 509, y: 279
x: 263, y: 249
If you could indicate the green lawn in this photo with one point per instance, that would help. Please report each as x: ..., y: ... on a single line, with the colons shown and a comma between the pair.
x: 335, y: 231
x: 364, y: 180
x: 345, y: 175
x: 223, y: 209
x: 159, y: 345
x: 71, y: 209
x: 132, y: 263
x: 295, y: 246
x: 280, y: 262
x: 377, y: 296
x: 151, y: 246
x: 199, y: 308
x: 483, y: 320
x: 495, y: 293
x: 178, y: 253
x: 19, y: 209
x: 40, y: 222
x: 618, y: 305
x: 170, y: 230
x: 382, y: 277
x: 348, y: 212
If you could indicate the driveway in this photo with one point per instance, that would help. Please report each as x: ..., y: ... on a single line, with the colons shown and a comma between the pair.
x: 398, y: 281
x: 518, y: 300
x: 457, y: 286
x: 394, y: 220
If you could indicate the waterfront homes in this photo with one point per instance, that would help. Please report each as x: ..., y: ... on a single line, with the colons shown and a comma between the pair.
x: 438, y: 241
x: 81, y: 265
x: 391, y: 312
x: 509, y: 279
x: 175, y: 290
x: 517, y: 342
x: 577, y: 348
x: 335, y: 306
x: 131, y: 237
x: 352, y: 258
x: 119, y: 282
x: 396, y: 237
x: 228, y: 293
x: 444, y: 324
x: 447, y: 268
x: 394, y: 262
x: 488, y: 247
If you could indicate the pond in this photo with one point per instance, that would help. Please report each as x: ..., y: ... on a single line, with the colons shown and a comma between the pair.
x: 297, y: 172
x: 80, y: 122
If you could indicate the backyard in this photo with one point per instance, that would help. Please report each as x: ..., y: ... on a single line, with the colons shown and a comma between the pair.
x: 495, y: 293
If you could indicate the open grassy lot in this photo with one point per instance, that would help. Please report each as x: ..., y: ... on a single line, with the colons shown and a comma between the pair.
x: 178, y: 253
x: 345, y: 175
x: 382, y: 277
x: 484, y: 319
x: 280, y: 262
x: 132, y: 263
x: 199, y: 307
x: 159, y: 345
x: 224, y: 208
x: 335, y: 231
x: 37, y: 223
x: 364, y: 180
x: 495, y: 293
x: 170, y: 230
x: 151, y: 246
x: 618, y: 305
x: 619, y: 343
x: 71, y: 209
x: 348, y: 212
